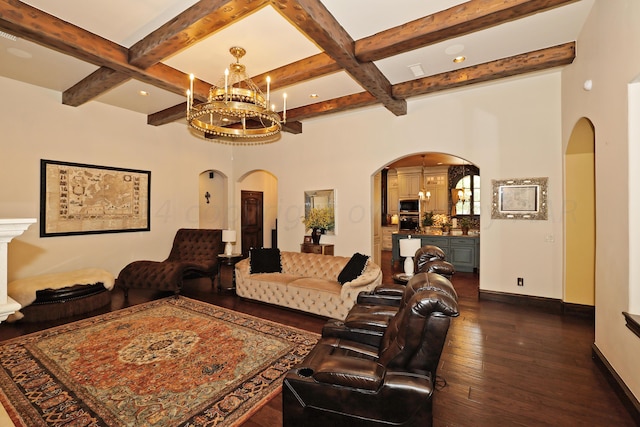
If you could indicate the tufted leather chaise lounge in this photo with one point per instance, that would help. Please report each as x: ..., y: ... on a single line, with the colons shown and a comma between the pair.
x: 194, y: 254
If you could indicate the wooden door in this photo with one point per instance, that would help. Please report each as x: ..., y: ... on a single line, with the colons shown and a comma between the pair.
x: 251, y: 219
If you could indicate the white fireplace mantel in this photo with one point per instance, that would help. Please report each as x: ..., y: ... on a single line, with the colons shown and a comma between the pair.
x: 9, y: 228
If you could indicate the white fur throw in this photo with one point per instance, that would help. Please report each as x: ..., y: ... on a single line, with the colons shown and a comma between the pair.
x: 24, y: 290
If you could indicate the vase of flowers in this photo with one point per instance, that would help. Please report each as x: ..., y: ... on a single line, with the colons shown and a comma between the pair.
x: 319, y: 220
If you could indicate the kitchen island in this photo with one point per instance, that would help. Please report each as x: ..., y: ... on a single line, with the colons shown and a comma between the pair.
x: 462, y: 251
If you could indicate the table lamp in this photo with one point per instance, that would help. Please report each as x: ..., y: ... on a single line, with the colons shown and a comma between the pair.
x: 228, y: 236
x: 408, y: 248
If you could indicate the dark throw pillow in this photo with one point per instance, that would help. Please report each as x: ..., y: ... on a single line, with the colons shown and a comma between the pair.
x: 353, y: 269
x: 265, y: 260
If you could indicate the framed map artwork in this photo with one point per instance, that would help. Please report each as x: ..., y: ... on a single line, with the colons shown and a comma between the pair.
x: 524, y: 198
x: 87, y: 199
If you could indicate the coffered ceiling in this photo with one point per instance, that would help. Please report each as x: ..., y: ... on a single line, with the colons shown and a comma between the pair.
x: 350, y: 53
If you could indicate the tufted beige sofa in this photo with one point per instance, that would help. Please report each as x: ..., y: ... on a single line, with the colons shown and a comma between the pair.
x: 308, y: 282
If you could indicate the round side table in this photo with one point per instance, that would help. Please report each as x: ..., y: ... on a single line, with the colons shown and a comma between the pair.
x: 227, y: 272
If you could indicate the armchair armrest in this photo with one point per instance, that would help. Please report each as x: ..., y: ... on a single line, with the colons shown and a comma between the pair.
x: 337, y: 329
x: 350, y: 372
x: 390, y: 295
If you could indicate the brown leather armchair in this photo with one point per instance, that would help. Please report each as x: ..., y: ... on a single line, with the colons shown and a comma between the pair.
x: 194, y: 254
x: 347, y: 383
x: 432, y: 259
x: 374, y: 310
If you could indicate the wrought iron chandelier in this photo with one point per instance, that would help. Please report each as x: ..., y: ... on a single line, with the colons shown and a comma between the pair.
x: 237, y: 111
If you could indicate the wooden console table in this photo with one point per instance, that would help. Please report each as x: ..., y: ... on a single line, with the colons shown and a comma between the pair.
x: 322, y: 248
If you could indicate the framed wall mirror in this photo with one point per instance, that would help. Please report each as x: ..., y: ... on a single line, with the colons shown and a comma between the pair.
x: 524, y: 198
x: 320, y: 204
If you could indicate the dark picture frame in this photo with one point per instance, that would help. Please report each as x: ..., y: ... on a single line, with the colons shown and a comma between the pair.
x: 78, y: 198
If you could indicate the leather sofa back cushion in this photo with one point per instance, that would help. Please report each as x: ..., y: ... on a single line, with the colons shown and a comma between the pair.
x: 354, y: 268
x: 265, y: 260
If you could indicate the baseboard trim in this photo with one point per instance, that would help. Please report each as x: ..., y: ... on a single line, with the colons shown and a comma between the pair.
x: 626, y: 396
x: 550, y: 305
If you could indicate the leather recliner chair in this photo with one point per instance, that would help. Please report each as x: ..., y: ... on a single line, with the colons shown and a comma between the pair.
x: 347, y: 383
x: 432, y: 259
x: 369, y: 318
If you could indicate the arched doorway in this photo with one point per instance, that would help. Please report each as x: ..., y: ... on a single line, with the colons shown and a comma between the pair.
x: 213, y: 199
x: 580, y: 216
x: 265, y: 183
x: 433, y: 179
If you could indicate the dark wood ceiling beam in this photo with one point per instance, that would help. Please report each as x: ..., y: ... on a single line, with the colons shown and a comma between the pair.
x: 92, y: 86
x: 189, y: 27
x: 42, y: 28
x: 305, y: 69
x: 475, y: 15
x: 336, y: 105
x: 195, y: 23
x: 519, y: 64
x: 314, y: 20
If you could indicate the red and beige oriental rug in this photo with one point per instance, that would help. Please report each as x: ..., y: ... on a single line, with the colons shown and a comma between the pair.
x: 171, y: 362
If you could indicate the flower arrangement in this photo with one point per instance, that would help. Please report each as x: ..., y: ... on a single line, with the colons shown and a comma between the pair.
x: 441, y: 219
x: 319, y: 218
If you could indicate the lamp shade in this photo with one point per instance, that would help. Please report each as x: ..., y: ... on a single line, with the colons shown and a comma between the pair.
x: 408, y: 247
x: 228, y: 235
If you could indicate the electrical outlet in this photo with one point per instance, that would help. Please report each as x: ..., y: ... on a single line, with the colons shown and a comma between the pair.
x: 520, y: 281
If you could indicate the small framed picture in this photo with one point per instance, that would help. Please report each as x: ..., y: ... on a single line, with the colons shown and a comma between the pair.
x: 307, y: 239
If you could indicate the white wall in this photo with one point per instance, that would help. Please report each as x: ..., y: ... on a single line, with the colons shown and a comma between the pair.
x: 35, y: 125
x: 509, y: 129
x: 607, y: 55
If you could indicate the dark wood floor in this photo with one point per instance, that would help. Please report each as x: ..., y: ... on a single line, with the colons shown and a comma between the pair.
x: 503, y: 365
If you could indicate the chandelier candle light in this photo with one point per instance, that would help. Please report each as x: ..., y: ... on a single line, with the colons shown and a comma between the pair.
x: 236, y: 111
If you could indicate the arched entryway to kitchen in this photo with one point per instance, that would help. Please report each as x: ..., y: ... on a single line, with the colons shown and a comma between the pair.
x: 434, y: 195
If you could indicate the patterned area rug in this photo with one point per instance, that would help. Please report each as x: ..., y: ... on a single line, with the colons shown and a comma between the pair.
x: 171, y: 362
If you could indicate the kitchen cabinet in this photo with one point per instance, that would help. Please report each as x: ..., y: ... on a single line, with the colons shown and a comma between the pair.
x: 461, y: 251
x: 387, y: 237
x: 392, y: 192
x: 436, y: 182
x: 409, y: 182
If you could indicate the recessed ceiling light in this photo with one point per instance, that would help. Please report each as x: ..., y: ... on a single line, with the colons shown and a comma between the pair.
x: 417, y: 70
x: 314, y: 95
x: 143, y: 93
x: 459, y: 59
x: 19, y: 53
x: 454, y: 49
